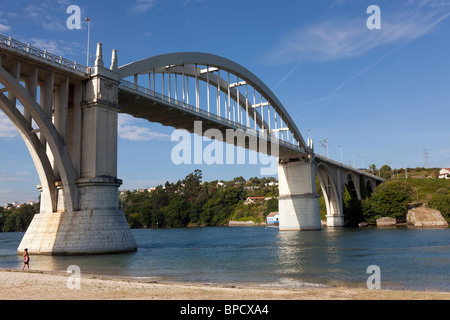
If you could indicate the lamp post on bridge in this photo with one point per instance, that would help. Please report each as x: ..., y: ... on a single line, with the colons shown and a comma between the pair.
x: 353, y: 155
x: 89, y: 34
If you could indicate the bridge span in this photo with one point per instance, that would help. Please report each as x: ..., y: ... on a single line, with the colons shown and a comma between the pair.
x: 69, y: 124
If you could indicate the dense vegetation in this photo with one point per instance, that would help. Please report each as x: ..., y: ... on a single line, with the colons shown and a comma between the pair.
x: 192, y: 202
x: 393, y: 197
x: 17, y: 219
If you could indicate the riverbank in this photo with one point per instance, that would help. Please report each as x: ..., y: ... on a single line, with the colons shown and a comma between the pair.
x: 39, y: 285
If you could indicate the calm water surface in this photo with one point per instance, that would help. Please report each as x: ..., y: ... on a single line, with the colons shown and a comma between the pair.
x: 409, y: 258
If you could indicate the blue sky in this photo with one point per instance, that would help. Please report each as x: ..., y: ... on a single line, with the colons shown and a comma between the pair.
x: 382, y: 94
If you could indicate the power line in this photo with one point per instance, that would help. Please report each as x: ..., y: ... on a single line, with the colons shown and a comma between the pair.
x: 324, y: 144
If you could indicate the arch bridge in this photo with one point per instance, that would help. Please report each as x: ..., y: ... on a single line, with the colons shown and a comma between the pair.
x: 68, y: 114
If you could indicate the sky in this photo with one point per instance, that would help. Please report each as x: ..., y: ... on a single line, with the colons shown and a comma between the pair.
x: 377, y: 95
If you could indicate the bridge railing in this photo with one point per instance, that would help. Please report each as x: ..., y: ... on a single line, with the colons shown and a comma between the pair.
x: 181, y: 104
x: 27, y: 49
x: 343, y: 165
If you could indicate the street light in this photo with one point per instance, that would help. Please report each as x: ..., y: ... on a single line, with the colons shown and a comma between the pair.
x: 89, y: 34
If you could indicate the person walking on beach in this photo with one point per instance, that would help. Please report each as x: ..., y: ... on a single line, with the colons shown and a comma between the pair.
x: 26, y: 260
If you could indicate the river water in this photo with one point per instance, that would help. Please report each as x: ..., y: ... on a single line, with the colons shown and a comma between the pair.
x: 408, y: 258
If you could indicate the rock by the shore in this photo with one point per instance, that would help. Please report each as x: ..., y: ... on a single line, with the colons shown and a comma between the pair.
x: 249, y: 223
x: 362, y: 224
x: 386, y: 222
x: 422, y: 217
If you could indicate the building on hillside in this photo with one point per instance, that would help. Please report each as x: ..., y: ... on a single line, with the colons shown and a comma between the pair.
x: 251, y: 200
x: 272, y: 219
x: 8, y: 206
x: 444, y: 173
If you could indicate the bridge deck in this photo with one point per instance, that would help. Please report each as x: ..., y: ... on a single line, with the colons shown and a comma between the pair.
x: 17, y: 50
x: 143, y: 103
x: 155, y: 107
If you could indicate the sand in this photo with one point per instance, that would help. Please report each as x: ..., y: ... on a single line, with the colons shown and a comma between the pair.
x: 40, y: 285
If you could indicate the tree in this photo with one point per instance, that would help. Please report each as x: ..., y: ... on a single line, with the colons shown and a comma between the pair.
x: 386, y: 172
x: 390, y: 199
x: 272, y: 206
x: 192, y: 185
x: 18, y: 219
x: 352, y: 208
x: 177, y: 212
x: 441, y: 202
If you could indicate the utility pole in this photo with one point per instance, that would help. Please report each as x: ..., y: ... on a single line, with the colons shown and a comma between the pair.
x: 353, y: 155
x: 406, y: 169
x: 392, y: 171
x: 425, y: 155
x: 324, y: 144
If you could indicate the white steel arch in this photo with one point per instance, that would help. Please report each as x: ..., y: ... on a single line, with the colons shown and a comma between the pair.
x: 235, y: 87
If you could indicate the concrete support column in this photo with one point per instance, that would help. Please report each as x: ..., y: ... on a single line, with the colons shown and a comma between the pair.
x: 329, y: 179
x: 86, y: 116
x: 61, y: 114
x: 46, y: 98
x: 76, y: 121
x: 31, y: 86
x: 335, y: 221
x: 336, y: 218
x: 298, y: 201
x: 62, y: 108
x: 15, y: 72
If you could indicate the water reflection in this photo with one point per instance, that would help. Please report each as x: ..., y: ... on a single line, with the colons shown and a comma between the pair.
x: 108, y: 264
x: 408, y: 258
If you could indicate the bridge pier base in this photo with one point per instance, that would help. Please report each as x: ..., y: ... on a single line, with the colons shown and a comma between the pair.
x: 298, y: 201
x: 78, y: 233
x: 335, y: 221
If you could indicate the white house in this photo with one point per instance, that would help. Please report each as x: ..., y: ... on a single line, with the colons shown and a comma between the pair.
x: 444, y: 173
x: 272, y: 218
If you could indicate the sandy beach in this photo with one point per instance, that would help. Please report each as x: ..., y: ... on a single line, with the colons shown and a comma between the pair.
x: 39, y: 285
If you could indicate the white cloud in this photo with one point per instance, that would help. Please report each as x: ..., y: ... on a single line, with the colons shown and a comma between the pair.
x: 340, y: 38
x: 4, y: 28
x: 47, y: 16
x: 7, y: 129
x: 57, y: 47
x: 142, y: 6
x: 130, y: 131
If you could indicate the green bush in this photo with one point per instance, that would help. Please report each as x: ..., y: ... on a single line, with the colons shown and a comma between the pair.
x: 18, y: 219
x: 441, y: 202
x: 390, y: 199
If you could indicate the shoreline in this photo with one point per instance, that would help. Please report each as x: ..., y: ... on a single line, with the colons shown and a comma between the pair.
x: 53, y: 285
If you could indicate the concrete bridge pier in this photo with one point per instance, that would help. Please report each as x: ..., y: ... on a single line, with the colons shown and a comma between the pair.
x: 93, y: 223
x: 298, y: 201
